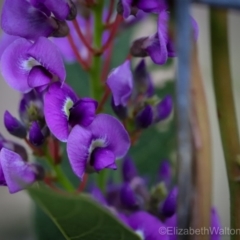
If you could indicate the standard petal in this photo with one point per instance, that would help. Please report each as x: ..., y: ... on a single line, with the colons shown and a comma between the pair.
x: 102, y: 158
x: 21, y: 19
x: 79, y: 142
x: 113, y: 132
x: 83, y: 112
x: 15, y: 65
x: 120, y: 81
x: 18, y: 174
x: 5, y: 41
x: 57, y: 103
x: 153, y: 6
x: 49, y: 56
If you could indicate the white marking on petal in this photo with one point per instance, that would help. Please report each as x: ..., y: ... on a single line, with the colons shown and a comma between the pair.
x: 140, y: 233
x: 29, y: 64
x: 68, y: 104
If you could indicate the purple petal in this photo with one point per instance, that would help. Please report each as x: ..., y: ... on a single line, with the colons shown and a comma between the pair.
x: 18, y: 174
x: 57, y: 103
x: 120, y: 81
x: 15, y: 65
x: 129, y: 170
x: 171, y: 224
x: 79, y: 142
x: 169, y: 206
x: 120, y: 110
x: 83, y: 112
x: 14, y: 126
x: 124, y: 7
x: 39, y: 4
x: 153, y: 6
x: 59, y: 8
x: 143, y: 80
x: 38, y: 76
x: 5, y: 41
x: 21, y: 19
x: 49, y: 56
x: 164, y: 108
x: 2, y: 178
x: 113, y: 132
x: 36, y: 136
x: 157, y: 46
x: 147, y: 225
x: 102, y: 158
x: 145, y: 117
x: 128, y: 197
x: 97, y: 195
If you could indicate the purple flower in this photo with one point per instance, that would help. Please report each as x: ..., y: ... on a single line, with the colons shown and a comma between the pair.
x: 120, y: 81
x: 14, y: 126
x: 97, y: 146
x: 5, y: 41
x: 15, y: 173
x: 63, y: 110
x: 129, y: 170
x: 26, y: 65
x: 128, y: 197
x: 36, y: 136
x: 31, y: 107
x: 169, y: 206
x: 144, y: 118
x: 146, y: 226
x: 143, y: 81
x: 163, y: 109
x: 32, y: 19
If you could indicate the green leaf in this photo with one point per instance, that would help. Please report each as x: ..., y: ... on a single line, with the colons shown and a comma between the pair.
x: 80, y: 217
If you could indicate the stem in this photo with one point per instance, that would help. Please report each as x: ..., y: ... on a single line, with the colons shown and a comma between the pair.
x: 202, y: 161
x: 95, y: 73
x: 226, y: 109
x: 61, y: 177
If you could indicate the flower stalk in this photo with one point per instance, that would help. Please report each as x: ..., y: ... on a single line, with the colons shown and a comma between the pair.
x: 225, y: 109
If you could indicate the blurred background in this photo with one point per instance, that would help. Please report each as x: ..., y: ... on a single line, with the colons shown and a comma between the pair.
x: 15, y: 210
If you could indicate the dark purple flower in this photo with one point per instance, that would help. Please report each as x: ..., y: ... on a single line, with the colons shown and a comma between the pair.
x: 31, y: 107
x: 144, y: 118
x: 128, y: 197
x: 14, y: 126
x: 146, y: 226
x: 15, y: 173
x: 169, y: 206
x: 163, y: 109
x: 143, y: 81
x: 97, y: 146
x: 63, y: 110
x: 26, y: 65
x: 36, y: 136
x: 129, y: 170
x: 120, y: 81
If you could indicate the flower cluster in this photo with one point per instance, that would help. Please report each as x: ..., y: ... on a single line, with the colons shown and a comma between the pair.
x: 146, y: 212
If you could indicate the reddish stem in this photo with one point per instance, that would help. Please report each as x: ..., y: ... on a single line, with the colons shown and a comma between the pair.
x: 78, y: 56
x: 104, y: 99
x: 83, y: 183
x: 113, y: 32
x: 110, y: 11
x: 135, y: 136
x: 82, y: 37
x: 54, y: 148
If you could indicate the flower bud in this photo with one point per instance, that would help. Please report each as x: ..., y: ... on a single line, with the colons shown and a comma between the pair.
x: 62, y: 30
x: 164, y: 109
x: 120, y: 110
x: 72, y: 11
x: 36, y: 136
x: 137, y: 49
x: 128, y: 196
x: 168, y: 207
x: 145, y: 117
x: 14, y: 126
x: 129, y: 170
